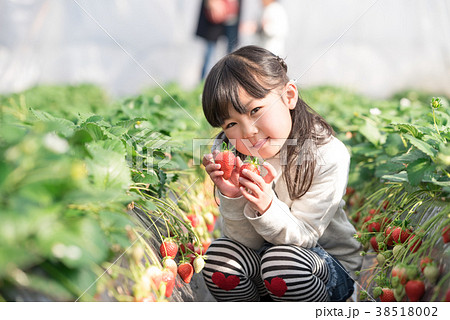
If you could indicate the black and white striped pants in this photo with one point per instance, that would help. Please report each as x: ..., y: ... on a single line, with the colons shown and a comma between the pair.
x: 234, y: 272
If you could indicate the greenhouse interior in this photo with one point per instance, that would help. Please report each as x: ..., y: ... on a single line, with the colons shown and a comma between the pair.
x: 116, y: 141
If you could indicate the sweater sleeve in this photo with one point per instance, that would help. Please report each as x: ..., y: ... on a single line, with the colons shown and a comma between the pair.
x: 304, y: 222
x: 235, y: 225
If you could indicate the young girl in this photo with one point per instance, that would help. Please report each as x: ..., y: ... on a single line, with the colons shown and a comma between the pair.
x: 286, y: 235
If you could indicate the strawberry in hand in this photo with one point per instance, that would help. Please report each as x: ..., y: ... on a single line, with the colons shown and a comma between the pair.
x: 227, y: 161
x: 256, y: 189
x: 223, y: 170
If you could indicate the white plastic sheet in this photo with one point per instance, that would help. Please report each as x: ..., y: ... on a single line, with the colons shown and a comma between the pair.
x: 376, y: 47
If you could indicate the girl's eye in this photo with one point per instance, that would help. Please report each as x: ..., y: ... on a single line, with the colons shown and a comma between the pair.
x: 231, y: 124
x: 255, y: 110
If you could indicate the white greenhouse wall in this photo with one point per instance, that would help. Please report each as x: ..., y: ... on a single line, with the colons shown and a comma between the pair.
x: 376, y: 47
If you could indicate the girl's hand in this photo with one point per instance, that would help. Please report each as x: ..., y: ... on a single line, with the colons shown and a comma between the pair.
x: 230, y: 187
x: 257, y: 190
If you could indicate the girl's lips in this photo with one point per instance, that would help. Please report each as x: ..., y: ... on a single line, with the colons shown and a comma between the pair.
x: 260, y: 143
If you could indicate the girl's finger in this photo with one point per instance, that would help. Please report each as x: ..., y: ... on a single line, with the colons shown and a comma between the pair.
x: 271, y: 172
x: 216, y: 174
x: 256, y: 178
x: 253, y: 187
x: 212, y: 167
x: 207, y: 159
x: 247, y: 195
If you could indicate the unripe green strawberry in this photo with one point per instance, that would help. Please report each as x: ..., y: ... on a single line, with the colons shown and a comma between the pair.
x: 431, y: 273
x: 199, y: 264
x: 398, y: 251
x: 424, y: 262
x: 363, y: 295
x: 381, y: 259
x: 395, y: 282
x: 377, y: 291
x: 412, y: 272
x: 399, y: 293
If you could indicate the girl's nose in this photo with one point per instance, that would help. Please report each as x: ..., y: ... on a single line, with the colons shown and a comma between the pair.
x: 249, y: 129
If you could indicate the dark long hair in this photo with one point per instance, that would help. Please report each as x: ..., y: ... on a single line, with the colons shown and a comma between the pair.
x: 258, y: 71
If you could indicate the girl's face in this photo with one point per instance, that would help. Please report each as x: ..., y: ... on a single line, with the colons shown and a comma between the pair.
x: 263, y: 129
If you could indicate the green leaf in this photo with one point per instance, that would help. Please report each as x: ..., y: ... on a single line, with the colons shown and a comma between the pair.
x: 388, y: 168
x: 409, y: 157
x: 95, y: 131
x: 371, y: 133
x: 60, y: 125
x: 421, y: 145
x: 416, y: 171
x: 393, y: 145
x: 108, y: 168
x: 398, y: 177
x: 409, y: 128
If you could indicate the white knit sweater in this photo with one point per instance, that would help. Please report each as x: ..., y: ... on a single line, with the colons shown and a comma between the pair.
x: 316, y: 218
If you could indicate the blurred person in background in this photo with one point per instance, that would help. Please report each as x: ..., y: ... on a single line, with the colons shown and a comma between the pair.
x: 271, y: 28
x: 274, y: 27
x: 218, y: 18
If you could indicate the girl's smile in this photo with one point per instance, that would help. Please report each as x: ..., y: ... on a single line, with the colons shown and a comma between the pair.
x: 263, y: 129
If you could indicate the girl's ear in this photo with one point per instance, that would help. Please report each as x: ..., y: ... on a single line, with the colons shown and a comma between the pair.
x: 291, y: 95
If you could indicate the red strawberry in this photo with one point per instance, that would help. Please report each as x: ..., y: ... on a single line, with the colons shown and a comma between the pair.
x: 152, y: 277
x: 169, y: 279
x: 399, y: 271
x: 385, y: 204
x: 446, y: 234
x: 210, y: 220
x: 250, y: 166
x: 374, y: 243
x: 415, y: 289
x: 356, y: 217
x: 400, y: 235
x: 190, y: 257
x: 388, y: 234
x: 374, y: 227
x: 168, y: 248
x: 170, y: 264
x: 205, y: 244
x: 387, y: 295
x: 349, y: 191
x: 186, y: 271
x: 373, y: 212
x: 186, y: 247
x: 194, y: 219
x: 414, y: 244
x: 150, y: 298
x: 227, y: 161
x: 447, y: 296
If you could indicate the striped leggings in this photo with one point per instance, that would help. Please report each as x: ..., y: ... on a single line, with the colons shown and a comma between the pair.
x: 234, y: 272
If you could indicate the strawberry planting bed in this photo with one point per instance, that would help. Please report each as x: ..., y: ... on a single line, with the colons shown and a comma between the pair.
x: 91, y: 188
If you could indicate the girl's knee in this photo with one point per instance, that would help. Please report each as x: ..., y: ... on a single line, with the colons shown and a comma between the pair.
x: 231, y: 257
x: 289, y: 273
